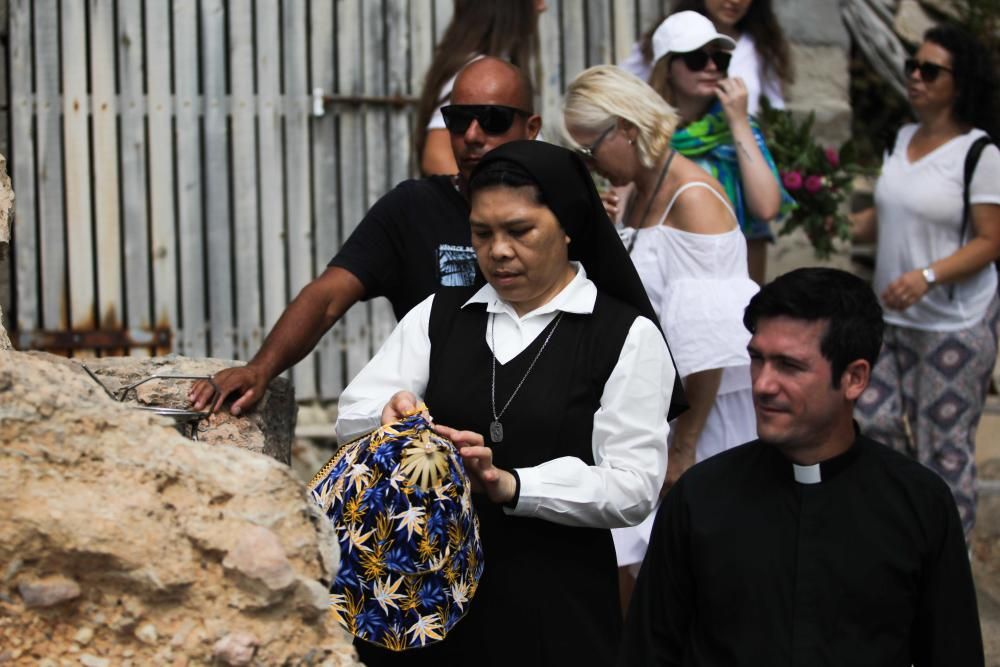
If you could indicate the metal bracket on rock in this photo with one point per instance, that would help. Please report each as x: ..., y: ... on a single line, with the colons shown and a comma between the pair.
x: 187, y: 422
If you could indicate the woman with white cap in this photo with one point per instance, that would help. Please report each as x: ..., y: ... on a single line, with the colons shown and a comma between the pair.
x: 761, y: 57
x: 691, y: 61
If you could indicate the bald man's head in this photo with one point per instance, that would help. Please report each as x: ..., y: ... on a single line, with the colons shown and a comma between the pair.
x: 485, y: 82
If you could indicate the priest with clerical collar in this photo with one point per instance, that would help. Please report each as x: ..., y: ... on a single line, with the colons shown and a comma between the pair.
x: 812, y: 545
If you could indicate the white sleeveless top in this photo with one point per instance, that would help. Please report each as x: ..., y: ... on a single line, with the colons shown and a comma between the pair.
x: 699, y: 286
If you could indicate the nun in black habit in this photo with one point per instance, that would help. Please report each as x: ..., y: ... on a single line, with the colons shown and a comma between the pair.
x: 555, y: 383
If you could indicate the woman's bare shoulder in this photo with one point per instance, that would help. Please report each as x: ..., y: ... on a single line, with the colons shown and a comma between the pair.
x: 700, y: 208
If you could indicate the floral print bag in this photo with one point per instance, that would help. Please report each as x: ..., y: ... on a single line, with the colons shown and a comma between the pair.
x: 410, y: 554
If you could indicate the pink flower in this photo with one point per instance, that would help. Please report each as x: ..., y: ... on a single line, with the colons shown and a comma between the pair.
x: 792, y: 180
x: 833, y: 157
x: 814, y: 184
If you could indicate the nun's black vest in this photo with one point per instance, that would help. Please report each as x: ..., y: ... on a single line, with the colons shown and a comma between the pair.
x: 549, y: 593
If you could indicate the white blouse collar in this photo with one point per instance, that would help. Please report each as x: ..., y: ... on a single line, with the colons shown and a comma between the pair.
x: 578, y: 296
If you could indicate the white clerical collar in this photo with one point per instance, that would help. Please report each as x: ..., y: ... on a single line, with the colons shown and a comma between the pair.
x: 807, y: 474
x: 579, y: 296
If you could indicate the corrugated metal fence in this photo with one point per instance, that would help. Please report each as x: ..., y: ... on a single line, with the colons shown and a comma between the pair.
x: 180, y: 177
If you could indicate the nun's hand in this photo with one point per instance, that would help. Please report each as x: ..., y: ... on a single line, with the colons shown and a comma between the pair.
x: 498, y: 485
x: 402, y: 405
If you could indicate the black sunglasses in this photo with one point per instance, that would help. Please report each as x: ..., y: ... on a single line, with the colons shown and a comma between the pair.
x: 696, y: 61
x: 492, y: 118
x: 928, y: 71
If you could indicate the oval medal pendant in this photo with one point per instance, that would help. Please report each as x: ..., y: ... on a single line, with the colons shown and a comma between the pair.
x: 496, y: 431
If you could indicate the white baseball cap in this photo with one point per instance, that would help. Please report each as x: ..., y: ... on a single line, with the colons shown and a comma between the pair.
x: 687, y: 31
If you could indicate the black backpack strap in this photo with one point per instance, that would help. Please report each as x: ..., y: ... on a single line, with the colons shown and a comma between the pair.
x: 971, y: 160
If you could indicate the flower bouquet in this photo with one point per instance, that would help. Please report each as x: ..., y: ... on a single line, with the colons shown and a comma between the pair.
x: 818, y: 178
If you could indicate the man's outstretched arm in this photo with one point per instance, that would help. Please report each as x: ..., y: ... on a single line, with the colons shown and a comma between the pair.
x: 317, y: 307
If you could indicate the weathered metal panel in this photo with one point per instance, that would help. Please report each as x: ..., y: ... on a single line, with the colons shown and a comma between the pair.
x: 159, y: 117
x: 325, y: 185
x: 218, y: 211
x: 298, y: 195
x: 48, y: 135
x: 22, y: 166
x: 274, y: 258
x: 76, y: 163
x: 624, y: 18
x: 381, y: 148
x: 207, y: 174
x: 138, y: 287
x: 352, y: 159
x: 599, y: 32
x: 552, y: 64
x: 246, y: 230
x: 192, y: 339
x: 104, y: 110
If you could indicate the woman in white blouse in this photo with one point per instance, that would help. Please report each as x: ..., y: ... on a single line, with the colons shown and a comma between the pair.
x: 683, y: 237
x: 555, y: 383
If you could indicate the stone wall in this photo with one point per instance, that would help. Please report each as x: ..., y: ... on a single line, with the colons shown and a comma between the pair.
x: 125, y: 544
x: 820, y: 48
x: 268, y: 429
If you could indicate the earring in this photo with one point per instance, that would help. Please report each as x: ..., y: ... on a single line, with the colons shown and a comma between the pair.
x: 631, y: 141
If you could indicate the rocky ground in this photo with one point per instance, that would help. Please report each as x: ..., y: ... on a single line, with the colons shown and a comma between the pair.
x: 125, y: 544
x: 986, y: 537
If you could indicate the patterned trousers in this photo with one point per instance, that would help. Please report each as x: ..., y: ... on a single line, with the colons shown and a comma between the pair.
x: 926, y: 397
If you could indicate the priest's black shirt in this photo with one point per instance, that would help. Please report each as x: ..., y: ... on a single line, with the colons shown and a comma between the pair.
x: 747, y: 566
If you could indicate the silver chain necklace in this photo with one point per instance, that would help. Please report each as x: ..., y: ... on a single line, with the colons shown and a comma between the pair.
x: 496, y: 428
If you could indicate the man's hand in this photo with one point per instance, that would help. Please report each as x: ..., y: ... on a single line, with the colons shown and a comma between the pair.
x: 498, y: 485
x: 247, y: 381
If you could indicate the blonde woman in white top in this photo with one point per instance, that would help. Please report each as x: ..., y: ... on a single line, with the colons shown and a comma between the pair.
x: 689, y: 251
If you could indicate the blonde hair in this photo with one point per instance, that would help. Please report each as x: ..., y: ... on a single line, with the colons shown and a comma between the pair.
x: 600, y: 95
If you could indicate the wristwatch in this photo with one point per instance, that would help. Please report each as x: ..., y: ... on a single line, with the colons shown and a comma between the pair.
x: 929, y: 276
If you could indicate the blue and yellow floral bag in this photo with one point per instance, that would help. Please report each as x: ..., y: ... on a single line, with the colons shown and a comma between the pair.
x: 410, y: 556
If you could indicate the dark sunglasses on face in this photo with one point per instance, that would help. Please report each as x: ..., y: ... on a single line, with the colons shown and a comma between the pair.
x: 492, y: 118
x: 696, y: 61
x: 928, y: 71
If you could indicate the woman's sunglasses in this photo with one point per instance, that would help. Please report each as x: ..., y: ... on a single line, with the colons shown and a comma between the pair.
x: 928, y: 71
x: 587, y: 152
x: 492, y: 118
x: 696, y: 61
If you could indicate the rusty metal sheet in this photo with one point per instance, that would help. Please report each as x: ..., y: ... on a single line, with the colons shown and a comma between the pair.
x: 98, y: 339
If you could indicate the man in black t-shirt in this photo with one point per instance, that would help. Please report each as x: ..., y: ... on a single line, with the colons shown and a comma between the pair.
x: 413, y: 240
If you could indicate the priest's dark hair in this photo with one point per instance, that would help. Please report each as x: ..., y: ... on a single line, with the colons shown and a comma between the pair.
x: 848, y: 304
